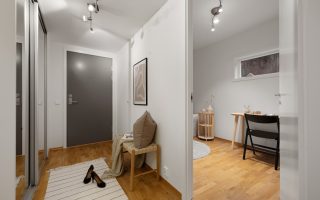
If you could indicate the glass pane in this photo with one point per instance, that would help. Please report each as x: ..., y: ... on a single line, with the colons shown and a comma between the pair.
x: 261, y: 65
x: 41, y: 98
x: 21, y: 134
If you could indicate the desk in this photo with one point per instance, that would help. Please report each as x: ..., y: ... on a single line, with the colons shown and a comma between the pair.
x: 237, y: 116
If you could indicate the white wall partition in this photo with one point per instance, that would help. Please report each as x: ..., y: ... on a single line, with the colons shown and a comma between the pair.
x: 8, y: 98
x: 163, y: 41
x: 57, y: 88
x: 289, y: 117
x: 55, y: 94
x: 123, y: 92
x: 214, y: 73
x: 309, y: 97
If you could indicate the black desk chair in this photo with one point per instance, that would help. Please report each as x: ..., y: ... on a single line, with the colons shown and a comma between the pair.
x: 262, y: 119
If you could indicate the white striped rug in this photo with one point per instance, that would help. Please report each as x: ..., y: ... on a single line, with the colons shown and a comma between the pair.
x: 67, y: 183
x: 18, y: 179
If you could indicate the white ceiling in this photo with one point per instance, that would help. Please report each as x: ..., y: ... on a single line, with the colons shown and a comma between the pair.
x: 117, y: 21
x: 238, y: 16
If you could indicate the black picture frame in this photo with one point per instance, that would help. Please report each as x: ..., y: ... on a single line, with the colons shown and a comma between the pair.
x: 141, y: 63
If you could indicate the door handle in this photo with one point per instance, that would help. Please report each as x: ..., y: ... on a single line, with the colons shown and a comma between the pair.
x: 18, y: 99
x: 71, y: 101
x: 280, y: 95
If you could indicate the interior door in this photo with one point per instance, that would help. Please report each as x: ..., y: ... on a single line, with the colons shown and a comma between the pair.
x: 19, y: 100
x: 289, y: 138
x: 89, y: 98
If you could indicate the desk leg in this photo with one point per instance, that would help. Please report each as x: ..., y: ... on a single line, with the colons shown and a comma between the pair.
x: 243, y: 125
x: 236, y: 119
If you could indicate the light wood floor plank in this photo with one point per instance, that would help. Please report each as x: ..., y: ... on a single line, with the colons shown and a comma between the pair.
x: 223, y: 175
x: 146, y: 187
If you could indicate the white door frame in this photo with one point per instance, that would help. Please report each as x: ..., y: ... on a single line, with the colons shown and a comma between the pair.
x: 188, y: 193
x: 93, y: 52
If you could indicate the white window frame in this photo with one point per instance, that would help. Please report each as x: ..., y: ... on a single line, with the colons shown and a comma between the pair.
x: 237, y: 71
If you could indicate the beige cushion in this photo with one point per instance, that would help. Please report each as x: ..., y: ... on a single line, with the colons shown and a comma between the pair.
x: 144, y: 130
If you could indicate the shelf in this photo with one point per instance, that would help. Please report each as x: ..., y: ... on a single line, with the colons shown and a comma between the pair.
x: 206, y: 138
x: 206, y: 126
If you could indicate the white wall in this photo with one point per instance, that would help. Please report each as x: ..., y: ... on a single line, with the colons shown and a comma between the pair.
x: 8, y: 97
x: 290, y: 118
x: 162, y: 40
x: 214, y: 75
x: 56, y: 133
x: 123, y: 92
x: 55, y: 84
x: 311, y: 137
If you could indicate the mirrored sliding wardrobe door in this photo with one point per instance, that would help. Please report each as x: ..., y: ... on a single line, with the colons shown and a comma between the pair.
x: 40, y: 92
x: 22, y: 121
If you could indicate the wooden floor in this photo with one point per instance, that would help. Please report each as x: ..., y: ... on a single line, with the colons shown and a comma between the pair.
x: 146, y: 187
x: 20, y: 188
x: 223, y: 175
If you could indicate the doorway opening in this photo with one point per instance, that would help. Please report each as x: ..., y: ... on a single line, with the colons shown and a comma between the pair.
x: 236, y: 71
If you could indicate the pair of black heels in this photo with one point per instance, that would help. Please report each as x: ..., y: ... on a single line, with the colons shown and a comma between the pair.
x: 91, y: 175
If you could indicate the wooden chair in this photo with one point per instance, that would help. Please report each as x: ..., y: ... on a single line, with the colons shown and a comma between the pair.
x: 129, y: 146
x: 263, y: 119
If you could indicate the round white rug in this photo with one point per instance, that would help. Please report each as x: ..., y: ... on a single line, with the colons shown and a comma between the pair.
x: 200, y: 150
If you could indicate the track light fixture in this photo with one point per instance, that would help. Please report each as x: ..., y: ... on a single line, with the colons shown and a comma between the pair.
x: 214, y: 13
x: 92, y: 7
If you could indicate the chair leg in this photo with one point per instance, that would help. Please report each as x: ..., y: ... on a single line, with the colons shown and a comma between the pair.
x: 254, y: 151
x: 158, y: 162
x: 277, y: 155
x: 132, y: 169
x: 245, y: 146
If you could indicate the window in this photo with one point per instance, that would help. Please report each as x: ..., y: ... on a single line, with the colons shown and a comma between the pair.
x: 261, y: 65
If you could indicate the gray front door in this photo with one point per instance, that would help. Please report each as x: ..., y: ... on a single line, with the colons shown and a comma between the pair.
x: 19, y: 100
x: 89, y: 98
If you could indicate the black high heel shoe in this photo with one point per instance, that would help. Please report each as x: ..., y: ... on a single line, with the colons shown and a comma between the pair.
x: 96, y: 178
x: 88, y: 177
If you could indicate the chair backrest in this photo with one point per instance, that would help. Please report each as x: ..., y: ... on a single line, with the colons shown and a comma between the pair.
x: 262, y: 119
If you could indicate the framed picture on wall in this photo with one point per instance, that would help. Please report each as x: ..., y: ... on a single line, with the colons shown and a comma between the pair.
x: 140, y: 84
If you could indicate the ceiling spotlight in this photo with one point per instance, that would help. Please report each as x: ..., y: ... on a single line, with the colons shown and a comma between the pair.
x: 91, y: 7
x: 84, y: 18
x: 216, y: 20
x: 215, y: 11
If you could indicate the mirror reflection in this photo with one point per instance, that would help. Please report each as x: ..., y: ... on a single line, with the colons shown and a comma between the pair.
x: 20, y: 105
x: 41, y: 95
